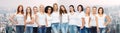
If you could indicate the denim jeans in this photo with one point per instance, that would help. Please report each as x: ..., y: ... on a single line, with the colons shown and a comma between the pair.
x: 81, y: 30
x: 35, y: 29
x: 42, y: 29
x: 55, y: 27
x: 72, y: 29
x: 9, y: 29
x: 64, y: 27
x: 29, y: 29
x: 93, y: 29
x: 87, y: 30
x: 48, y: 30
x: 20, y: 29
x: 102, y: 30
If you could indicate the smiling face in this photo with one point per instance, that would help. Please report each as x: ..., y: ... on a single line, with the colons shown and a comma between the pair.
x: 71, y: 9
x: 35, y: 10
x: 28, y: 10
x: 79, y: 8
x: 55, y: 7
x: 20, y: 9
x: 94, y: 10
x: 49, y: 10
x: 41, y: 8
x: 100, y: 11
x: 88, y: 10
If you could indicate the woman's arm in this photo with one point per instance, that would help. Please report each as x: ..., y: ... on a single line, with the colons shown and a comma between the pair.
x: 25, y: 23
x: 108, y: 20
x: 46, y: 21
x: 12, y: 19
x: 83, y: 23
x: 36, y: 20
x: 97, y: 23
x: 89, y: 22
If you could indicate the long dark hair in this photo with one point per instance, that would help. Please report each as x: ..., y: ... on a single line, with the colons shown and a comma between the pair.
x: 18, y: 11
x: 62, y: 11
x: 29, y: 12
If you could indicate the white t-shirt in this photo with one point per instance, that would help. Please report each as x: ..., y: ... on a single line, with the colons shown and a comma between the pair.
x: 87, y: 21
x: 20, y: 19
x: 55, y: 17
x: 80, y: 16
x: 49, y: 20
x: 41, y: 19
x: 92, y: 21
x: 101, y: 20
x: 28, y: 20
x: 64, y: 18
x: 73, y: 19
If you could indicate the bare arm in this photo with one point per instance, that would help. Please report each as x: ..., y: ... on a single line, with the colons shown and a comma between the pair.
x: 97, y: 23
x: 108, y: 20
x: 83, y: 23
x: 12, y: 20
x: 36, y: 20
x: 89, y: 22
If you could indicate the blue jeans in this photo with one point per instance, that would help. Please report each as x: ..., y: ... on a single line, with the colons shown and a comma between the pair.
x: 29, y: 29
x: 56, y: 27
x: 72, y: 29
x: 81, y: 30
x: 64, y: 27
x: 102, y: 30
x: 19, y: 28
x: 87, y: 30
x: 42, y: 29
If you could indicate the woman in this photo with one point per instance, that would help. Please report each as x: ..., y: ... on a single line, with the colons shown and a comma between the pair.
x: 72, y: 20
x: 18, y: 19
x: 55, y: 19
x: 48, y: 11
x: 35, y: 9
x: 87, y: 20
x: 64, y: 16
x: 81, y: 15
x: 100, y: 20
x: 29, y: 20
x: 41, y: 20
x: 92, y: 20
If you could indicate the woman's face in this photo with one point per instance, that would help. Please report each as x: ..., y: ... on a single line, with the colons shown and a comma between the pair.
x: 71, y: 9
x: 28, y: 10
x: 100, y: 11
x: 35, y: 10
x: 41, y: 8
x: 20, y: 9
x: 94, y: 10
x: 62, y: 8
x: 87, y: 10
x: 49, y: 10
x: 55, y: 7
x: 79, y: 8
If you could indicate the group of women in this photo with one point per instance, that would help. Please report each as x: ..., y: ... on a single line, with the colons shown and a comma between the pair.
x: 58, y: 20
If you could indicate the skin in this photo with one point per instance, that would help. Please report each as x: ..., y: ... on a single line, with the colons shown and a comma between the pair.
x: 79, y: 9
x: 106, y: 23
x: 71, y: 9
x: 88, y: 14
x: 55, y: 8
